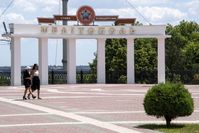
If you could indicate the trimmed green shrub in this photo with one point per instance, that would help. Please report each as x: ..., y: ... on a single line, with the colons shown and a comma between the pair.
x: 169, y: 101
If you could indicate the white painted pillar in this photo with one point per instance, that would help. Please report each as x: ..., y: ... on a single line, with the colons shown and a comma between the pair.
x: 130, y: 61
x: 101, y: 70
x: 71, y: 61
x: 16, y: 61
x: 43, y: 60
x: 161, y: 60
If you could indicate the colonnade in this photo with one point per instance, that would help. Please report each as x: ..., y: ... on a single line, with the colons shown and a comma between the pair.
x: 71, y: 60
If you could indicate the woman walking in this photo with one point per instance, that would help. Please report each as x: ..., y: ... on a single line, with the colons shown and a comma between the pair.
x: 27, y: 83
x: 35, y: 80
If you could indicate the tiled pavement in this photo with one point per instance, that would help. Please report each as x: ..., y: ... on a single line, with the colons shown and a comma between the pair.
x: 81, y: 109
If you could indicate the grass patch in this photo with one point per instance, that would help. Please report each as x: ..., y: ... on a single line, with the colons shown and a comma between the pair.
x: 175, y: 128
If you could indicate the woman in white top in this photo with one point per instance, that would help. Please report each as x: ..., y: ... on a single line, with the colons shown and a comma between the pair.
x: 35, y: 80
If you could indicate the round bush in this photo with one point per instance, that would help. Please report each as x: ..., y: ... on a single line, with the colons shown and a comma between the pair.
x: 169, y: 101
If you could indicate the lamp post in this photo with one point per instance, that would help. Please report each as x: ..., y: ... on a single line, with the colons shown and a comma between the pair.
x: 65, y: 12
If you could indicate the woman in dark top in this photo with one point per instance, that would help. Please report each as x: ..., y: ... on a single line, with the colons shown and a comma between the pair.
x: 27, y: 83
x: 35, y: 80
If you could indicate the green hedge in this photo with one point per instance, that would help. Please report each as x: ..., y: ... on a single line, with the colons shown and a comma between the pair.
x: 169, y: 101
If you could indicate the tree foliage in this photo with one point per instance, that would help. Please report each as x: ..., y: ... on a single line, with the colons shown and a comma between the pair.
x: 182, y: 56
x: 178, y: 62
x: 145, y: 60
x: 115, y: 59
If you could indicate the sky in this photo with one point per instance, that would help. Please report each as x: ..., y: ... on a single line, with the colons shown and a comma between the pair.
x: 27, y: 11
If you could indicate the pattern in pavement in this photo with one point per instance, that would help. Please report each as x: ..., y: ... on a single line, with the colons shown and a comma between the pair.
x: 81, y: 108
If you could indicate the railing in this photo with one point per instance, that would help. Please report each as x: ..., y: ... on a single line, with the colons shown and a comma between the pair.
x: 57, y: 77
x: 142, y: 76
x: 85, y: 77
x: 60, y: 77
x: 4, y: 78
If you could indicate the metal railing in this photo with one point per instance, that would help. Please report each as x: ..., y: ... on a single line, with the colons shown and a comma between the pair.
x: 5, y: 78
x: 142, y: 76
x: 57, y: 77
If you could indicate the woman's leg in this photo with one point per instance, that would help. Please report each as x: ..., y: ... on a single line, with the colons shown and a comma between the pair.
x: 38, y: 94
x: 24, y: 96
x: 31, y: 93
x: 38, y: 89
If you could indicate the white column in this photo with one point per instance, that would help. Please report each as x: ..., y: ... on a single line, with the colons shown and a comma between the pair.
x: 130, y: 61
x: 16, y: 61
x: 43, y: 60
x: 71, y: 61
x: 101, y: 71
x: 161, y: 60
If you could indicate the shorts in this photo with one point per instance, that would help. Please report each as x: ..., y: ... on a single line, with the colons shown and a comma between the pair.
x: 27, y: 83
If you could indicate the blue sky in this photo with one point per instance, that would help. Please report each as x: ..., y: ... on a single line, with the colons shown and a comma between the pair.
x: 26, y: 11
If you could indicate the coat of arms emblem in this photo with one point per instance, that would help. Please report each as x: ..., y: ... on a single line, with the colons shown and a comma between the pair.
x: 86, y: 15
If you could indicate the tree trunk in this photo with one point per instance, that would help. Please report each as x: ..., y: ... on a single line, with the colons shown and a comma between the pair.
x: 168, y: 121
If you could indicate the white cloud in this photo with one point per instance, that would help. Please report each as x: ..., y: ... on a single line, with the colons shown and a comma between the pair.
x: 72, y: 11
x: 164, y: 14
x: 47, y: 9
x: 17, y: 18
x: 46, y: 2
x: 154, y: 15
x: 37, y: 5
x: 14, y: 18
x: 25, y: 5
x: 193, y: 8
x: 148, y: 2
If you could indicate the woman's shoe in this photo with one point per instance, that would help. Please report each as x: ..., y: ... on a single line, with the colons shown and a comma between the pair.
x: 39, y: 98
x: 33, y: 96
x: 24, y: 98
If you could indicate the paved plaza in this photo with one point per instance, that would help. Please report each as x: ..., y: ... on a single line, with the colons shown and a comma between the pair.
x: 83, y: 108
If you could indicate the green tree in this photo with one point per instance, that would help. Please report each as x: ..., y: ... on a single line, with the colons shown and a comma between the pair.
x: 169, y: 101
x: 191, y: 55
x: 93, y: 66
x: 146, y: 60
x: 182, y: 35
x: 115, y: 59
